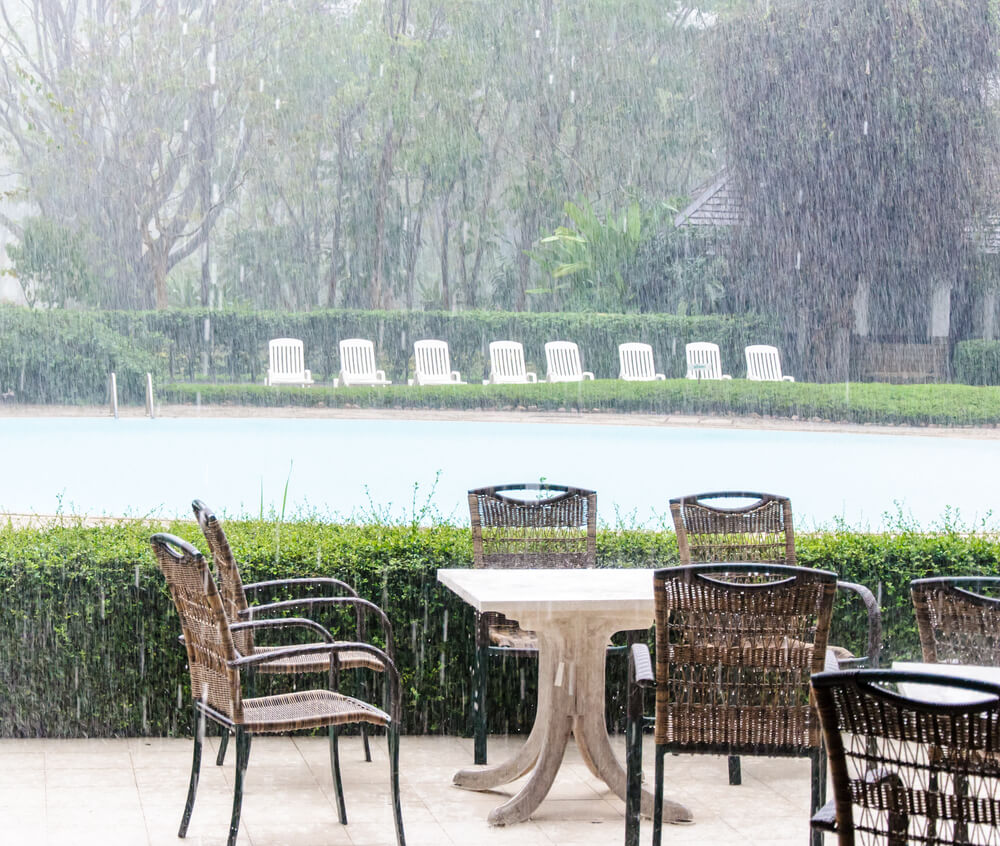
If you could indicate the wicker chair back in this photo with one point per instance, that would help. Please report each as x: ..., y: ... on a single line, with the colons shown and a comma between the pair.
x: 956, y: 623
x: 735, y: 647
x: 907, y: 770
x: 555, y: 531
x: 207, y: 638
x: 234, y: 600
x: 710, y: 531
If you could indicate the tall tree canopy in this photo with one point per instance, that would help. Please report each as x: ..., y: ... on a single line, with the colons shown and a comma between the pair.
x: 858, y: 138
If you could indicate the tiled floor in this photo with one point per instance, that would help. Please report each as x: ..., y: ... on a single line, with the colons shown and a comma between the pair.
x: 131, y: 793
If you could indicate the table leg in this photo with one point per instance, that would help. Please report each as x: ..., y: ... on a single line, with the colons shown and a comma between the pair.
x: 485, y: 778
x: 592, y: 734
x: 592, y: 738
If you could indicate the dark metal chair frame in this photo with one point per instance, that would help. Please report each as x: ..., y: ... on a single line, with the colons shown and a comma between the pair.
x: 216, y: 665
x: 558, y: 531
x: 763, y: 625
x: 234, y: 599
x: 761, y: 530
x: 906, y: 770
x: 955, y: 623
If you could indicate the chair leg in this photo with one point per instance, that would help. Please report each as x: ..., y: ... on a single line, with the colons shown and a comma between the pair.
x: 818, y: 792
x: 338, y: 784
x: 479, y: 703
x: 397, y: 808
x: 633, y: 766
x: 199, y: 737
x: 735, y: 774
x: 661, y: 754
x: 220, y: 759
x: 364, y: 726
x: 242, y: 758
x: 364, y: 741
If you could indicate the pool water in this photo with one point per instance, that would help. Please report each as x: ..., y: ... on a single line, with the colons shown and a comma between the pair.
x: 400, y: 469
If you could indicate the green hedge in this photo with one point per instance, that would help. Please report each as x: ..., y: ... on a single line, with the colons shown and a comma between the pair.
x: 178, y: 343
x: 943, y: 405
x: 977, y: 362
x: 89, y: 637
x: 66, y: 357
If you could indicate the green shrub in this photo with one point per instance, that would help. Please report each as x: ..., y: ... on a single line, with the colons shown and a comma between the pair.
x: 65, y: 356
x: 89, y: 635
x: 977, y: 362
x: 943, y: 405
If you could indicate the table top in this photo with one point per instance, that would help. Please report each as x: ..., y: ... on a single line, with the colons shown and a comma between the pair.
x: 946, y: 695
x: 513, y: 591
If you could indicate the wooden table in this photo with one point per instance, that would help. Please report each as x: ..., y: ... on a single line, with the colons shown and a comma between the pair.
x: 574, y: 613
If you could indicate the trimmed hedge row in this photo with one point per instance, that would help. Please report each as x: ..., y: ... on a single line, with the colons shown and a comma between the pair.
x: 66, y: 356
x: 977, y: 362
x: 943, y: 405
x: 88, y: 634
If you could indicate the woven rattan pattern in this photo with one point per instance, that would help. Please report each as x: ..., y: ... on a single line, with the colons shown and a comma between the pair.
x: 761, y: 531
x: 956, y: 624
x: 907, y: 772
x: 307, y: 709
x: 734, y: 653
x: 234, y: 601
x: 208, y: 641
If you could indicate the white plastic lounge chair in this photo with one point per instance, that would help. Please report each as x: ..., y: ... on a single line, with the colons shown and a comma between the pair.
x: 703, y: 361
x: 432, y: 365
x: 636, y: 363
x: 357, y: 364
x: 507, y: 364
x: 286, y: 363
x: 562, y: 362
x: 763, y: 364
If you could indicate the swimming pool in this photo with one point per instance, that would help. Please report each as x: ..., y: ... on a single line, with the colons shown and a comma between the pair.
x: 344, y: 468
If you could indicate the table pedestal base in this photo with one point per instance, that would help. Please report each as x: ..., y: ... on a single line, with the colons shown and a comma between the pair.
x: 571, y: 660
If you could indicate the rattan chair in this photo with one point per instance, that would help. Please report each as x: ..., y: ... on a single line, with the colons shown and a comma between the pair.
x: 708, y: 531
x: 907, y: 770
x: 218, y: 668
x: 558, y: 530
x: 238, y: 609
x: 957, y: 624
x: 735, y: 647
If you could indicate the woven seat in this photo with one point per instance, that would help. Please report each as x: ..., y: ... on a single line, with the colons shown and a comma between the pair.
x: 908, y: 770
x: 218, y: 669
x: 957, y: 623
x: 306, y: 709
x: 559, y: 530
x: 735, y: 647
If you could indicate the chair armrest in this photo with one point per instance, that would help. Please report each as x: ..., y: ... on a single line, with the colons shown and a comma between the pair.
x: 787, y: 378
x: 323, y: 580
x: 456, y: 376
x: 284, y: 623
x: 361, y: 605
x: 726, y: 376
x: 660, y: 377
x: 531, y: 377
x: 588, y: 375
x: 874, y: 620
x: 380, y: 375
x: 409, y: 382
x: 486, y: 381
x: 308, y: 375
x: 825, y: 819
x: 642, y: 666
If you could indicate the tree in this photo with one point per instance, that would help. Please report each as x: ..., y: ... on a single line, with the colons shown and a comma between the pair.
x: 858, y: 136
x: 128, y: 122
